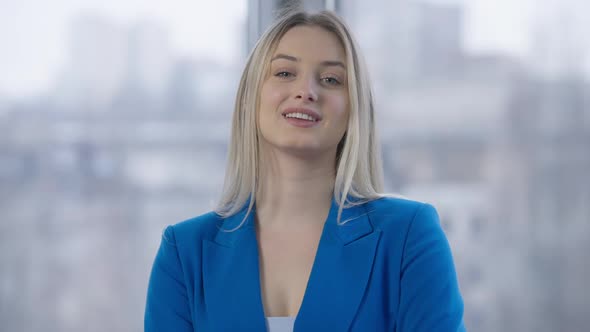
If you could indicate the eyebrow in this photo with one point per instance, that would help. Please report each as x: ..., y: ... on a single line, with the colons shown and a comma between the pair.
x: 323, y: 63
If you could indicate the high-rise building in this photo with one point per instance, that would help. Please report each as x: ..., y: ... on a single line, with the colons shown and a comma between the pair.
x: 113, y: 63
x: 97, y: 64
x: 560, y: 44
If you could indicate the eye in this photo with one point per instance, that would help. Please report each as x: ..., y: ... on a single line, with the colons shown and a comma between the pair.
x: 284, y: 74
x: 331, y: 80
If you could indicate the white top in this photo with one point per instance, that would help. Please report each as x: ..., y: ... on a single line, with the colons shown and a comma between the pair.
x: 280, y: 324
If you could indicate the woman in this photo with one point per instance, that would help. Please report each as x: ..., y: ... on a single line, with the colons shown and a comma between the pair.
x: 303, y: 239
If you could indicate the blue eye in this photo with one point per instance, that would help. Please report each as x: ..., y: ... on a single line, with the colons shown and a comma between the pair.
x: 283, y: 74
x: 331, y: 80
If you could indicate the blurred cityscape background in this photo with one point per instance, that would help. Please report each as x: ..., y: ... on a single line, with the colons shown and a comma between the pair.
x: 115, y: 117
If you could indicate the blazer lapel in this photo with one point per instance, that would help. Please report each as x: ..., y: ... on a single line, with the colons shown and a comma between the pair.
x: 336, y: 286
x: 231, y: 277
x: 340, y: 272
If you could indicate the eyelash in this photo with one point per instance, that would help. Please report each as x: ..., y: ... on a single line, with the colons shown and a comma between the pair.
x: 280, y: 74
x: 286, y: 74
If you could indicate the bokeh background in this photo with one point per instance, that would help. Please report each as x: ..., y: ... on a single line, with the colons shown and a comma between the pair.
x: 114, y: 122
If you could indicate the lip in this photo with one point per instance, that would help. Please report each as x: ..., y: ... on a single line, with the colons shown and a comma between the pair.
x: 307, y: 111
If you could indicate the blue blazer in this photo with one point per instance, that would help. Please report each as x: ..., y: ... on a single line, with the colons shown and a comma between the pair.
x: 389, y: 268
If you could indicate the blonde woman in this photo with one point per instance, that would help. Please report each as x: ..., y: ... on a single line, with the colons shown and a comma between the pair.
x: 303, y: 238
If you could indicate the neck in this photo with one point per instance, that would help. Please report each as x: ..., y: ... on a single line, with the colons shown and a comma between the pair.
x: 294, y: 191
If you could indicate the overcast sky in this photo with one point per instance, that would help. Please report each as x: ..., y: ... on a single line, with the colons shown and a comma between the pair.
x: 33, y: 32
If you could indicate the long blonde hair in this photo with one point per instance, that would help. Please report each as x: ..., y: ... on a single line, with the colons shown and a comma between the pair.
x: 359, y: 174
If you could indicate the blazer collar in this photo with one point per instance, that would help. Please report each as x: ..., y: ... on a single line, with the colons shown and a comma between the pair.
x: 355, y: 225
x: 340, y: 272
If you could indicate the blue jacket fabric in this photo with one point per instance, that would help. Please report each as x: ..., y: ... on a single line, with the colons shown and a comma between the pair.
x: 388, y: 268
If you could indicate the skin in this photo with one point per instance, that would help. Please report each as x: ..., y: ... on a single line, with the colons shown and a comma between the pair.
x: 298, y: 164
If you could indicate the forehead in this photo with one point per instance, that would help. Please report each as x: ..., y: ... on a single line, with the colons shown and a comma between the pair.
x: 311, y: 43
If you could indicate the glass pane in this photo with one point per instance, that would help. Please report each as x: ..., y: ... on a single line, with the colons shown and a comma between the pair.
x: 114, y: 122
x: 484, y: 109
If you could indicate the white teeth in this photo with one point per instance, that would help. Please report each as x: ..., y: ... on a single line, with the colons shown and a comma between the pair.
x: 299, y: 116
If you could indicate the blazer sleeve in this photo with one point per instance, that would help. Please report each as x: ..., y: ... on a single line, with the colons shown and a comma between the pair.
x: 167, y: 305
x: 429, y: 296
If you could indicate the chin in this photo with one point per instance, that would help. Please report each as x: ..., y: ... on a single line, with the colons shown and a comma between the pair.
x: 306, y: 149
x: 298, y: 146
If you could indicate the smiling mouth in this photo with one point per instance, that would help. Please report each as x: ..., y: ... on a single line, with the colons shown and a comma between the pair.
x: 301, y: 116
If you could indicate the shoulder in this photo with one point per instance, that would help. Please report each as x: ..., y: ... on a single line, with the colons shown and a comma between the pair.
x: 411, y: 226
x: 191, y: 231
x: 392, y: 211
x: 406, y: 221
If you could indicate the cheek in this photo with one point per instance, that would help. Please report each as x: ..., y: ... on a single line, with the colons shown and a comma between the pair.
x: 270, y: 100
x: 339, y: 106
x: 270, y: 97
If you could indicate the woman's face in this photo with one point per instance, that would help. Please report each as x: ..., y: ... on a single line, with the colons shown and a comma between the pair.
x: 304, y: 97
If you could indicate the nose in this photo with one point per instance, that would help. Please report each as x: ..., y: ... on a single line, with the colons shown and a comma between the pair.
x: 307, y: 91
